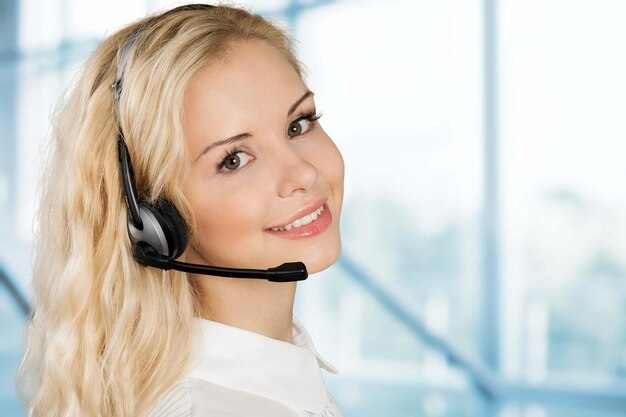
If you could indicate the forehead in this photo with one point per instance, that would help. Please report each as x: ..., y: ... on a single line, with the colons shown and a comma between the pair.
x: 252, y: 74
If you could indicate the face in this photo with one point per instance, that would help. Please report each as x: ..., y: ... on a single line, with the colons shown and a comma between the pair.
x: 275, y: 171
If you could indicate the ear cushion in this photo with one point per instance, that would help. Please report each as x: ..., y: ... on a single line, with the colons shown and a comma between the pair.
x: 174, y: 226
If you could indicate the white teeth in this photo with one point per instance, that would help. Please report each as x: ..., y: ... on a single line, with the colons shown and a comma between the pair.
x: 301, y: 221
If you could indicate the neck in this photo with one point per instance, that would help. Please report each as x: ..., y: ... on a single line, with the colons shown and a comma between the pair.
x: 260, y: 306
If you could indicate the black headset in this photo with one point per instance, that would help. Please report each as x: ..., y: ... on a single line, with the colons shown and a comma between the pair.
x: 158, y: 232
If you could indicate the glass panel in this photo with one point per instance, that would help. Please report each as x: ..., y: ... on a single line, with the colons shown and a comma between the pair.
x: 399, y: 84
x: 562, y: 100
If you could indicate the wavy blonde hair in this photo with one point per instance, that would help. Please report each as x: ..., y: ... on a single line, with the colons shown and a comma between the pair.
x: 108, y: 336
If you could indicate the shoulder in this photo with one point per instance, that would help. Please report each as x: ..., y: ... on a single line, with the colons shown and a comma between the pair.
x: 193, y: 397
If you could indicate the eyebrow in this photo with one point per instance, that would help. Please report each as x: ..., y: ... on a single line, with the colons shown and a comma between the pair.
x: 246, y: 135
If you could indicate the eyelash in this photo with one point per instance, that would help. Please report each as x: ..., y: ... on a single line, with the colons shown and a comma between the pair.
x: 305, y: 115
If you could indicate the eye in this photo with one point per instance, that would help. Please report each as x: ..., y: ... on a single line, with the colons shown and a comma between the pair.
x: 304, y: 123
x: 296, y: 127
x: 234, y: 160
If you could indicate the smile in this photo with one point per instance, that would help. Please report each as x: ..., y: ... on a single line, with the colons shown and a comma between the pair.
x: 307, y: 226
x: 311, y: 217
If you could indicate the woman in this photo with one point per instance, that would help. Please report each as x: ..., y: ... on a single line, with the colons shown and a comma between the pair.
x: 113, y: 337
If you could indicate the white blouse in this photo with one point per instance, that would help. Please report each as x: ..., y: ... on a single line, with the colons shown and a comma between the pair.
x: 239, y: 373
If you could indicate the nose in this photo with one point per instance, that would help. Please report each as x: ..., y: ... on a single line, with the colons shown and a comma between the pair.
x: 296, y: 173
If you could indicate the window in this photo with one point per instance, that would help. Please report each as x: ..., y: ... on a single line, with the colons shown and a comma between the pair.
x: 483, y: 215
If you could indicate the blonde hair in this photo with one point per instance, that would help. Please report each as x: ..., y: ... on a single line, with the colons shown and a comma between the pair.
x: 108, y: 336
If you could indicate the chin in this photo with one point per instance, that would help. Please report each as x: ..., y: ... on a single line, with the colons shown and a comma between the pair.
x: 323, y: 259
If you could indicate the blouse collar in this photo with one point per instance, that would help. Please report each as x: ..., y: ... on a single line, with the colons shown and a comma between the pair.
x: 248, y: 361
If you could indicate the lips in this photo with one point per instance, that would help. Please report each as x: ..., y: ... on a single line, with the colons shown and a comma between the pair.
x: 308, y: 218
x: 307, y: 209
x: 308, y: 230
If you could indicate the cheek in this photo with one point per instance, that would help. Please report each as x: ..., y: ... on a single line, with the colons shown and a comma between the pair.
x: 228, y: 212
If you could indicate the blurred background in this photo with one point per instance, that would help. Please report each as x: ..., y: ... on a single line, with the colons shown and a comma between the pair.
x: 484, y: 226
